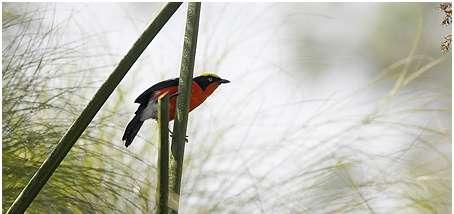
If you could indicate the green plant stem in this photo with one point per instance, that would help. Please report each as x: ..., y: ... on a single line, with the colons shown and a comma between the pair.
x: 182, y: 110
x: 162, y: 190
x: 65, y: 144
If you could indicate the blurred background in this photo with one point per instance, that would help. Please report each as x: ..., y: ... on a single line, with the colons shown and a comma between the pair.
x: 332, y: 107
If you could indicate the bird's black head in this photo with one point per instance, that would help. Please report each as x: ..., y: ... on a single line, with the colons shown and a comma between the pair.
x: 208, y: 79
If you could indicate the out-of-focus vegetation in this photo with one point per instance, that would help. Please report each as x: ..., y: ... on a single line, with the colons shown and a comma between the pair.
x: 42, y: 80
x: 446, y: 8
x: 341, y: 108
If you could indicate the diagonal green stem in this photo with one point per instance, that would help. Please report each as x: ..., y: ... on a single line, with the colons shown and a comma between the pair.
x: 65, y: 144
x: 184, y: 94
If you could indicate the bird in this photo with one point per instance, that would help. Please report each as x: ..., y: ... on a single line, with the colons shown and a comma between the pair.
x: 202, y: 87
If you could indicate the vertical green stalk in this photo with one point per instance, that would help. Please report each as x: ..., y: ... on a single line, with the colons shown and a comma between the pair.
x: 182, y: 110
x: 65, y: 144
x: 162, y: 190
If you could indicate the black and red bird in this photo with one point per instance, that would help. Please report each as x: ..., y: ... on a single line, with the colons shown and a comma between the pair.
x: 202, y: 87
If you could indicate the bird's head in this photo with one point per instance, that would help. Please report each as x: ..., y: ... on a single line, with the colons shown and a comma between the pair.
x: 209, y: 81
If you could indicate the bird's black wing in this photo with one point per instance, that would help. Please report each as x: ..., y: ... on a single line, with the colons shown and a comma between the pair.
x: 145, y: 96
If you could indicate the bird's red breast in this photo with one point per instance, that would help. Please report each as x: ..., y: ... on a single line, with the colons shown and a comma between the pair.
x: 198, y: 96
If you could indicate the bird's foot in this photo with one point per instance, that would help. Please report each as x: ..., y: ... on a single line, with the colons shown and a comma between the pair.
x: 171, y: 135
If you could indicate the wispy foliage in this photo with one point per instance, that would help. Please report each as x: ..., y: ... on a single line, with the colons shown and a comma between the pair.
x: 43, y: 91
x: 313, y: 121
x: 446, y: 8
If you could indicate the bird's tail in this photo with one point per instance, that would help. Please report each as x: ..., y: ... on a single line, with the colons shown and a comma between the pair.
x: 132, y: 129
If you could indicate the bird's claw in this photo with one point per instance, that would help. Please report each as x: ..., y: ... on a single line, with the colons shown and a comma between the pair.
x: 185, y: 138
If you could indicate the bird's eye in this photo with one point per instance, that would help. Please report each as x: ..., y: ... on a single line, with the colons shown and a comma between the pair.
x: 210, y: 79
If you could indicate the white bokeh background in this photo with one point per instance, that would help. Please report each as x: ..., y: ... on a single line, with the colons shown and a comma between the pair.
x: 313, y: 121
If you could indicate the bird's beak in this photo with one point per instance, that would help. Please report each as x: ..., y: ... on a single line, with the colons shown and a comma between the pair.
x: 224, y: 81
